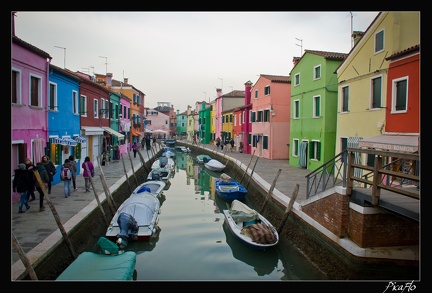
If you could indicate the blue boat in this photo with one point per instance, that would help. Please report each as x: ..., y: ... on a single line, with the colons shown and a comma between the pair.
x: 230, y: 190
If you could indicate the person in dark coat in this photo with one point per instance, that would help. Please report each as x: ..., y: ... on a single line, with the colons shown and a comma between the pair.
x: 74, y: 167
x: 51, y: 169
x: 45, y: 179
x: 148, y: 143
x: 31, y: 182
x: 20, y: 184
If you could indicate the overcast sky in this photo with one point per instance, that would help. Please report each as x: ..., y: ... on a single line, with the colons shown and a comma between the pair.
x: 182, y: 57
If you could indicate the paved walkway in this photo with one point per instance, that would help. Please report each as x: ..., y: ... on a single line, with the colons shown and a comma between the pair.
x: 37, y: 232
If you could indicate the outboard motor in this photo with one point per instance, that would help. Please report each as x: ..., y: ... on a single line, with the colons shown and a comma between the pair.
x: 156, y: 175
x: 163, y: 161
x: 128, y: 229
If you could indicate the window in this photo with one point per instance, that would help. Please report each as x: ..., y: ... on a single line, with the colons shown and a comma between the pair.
x: 260, y: 116
x: 316, y: 106
x: 252, y: 116
x: 243, y: 117
x: 256, y: 94
x: 75, y: 102
x: 95, y: 108
x: 35, y: 91
x: 376, y: 92
x: 317, y: 72
x: 108, y: 107
x: 296, y: 109
x: 16, y: 87
x: 267, y: 90
x: 400, y: 94
x: 231, y: 117
x: 345, y: 99
x: 295, y: 149
x: 83, y: 106
x: 267, y: 115
x: 315, y: 150
x: 52, y: 102
x: 297, y: 79
x: 265, y: 142
x: 379, y: 41
x: 249, y: 139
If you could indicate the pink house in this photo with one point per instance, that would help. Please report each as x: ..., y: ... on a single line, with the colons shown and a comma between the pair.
x: 270, y: 117
x: 29, y: 88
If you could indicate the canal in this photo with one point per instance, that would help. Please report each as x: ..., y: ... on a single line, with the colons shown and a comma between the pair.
x: 193, y: 243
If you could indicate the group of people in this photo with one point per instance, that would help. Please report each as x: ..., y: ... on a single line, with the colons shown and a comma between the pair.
x: 227, y: 142
x: 26, y: 182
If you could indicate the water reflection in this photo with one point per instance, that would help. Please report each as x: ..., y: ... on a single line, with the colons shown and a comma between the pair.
x: 196, y: 244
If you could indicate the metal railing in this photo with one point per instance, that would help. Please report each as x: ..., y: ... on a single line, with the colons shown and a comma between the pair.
x: 344, y: 170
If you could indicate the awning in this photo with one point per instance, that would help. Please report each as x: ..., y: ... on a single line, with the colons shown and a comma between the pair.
x: 64, y: 141
x: 399, y: 143
x: 70, y: 142
x: 113, y: 132
x: 92, y: 130
x: 80, y: 139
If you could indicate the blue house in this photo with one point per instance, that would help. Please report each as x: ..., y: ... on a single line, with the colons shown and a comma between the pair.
x: 63, y: 118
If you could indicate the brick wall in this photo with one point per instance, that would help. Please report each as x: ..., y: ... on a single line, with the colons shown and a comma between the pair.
x: 366, y: 230
x: 332, y: 212
x: 384, y: 229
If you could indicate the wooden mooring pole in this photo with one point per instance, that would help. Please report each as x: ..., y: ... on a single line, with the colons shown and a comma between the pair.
x: 127, y: 179
x: 24, y: 258
x: 253, y: 169
x: 108, y: 195
x: 54, y: 212
x: 133, y: 170
x: 247, y: 167
x: 96, y: 195
x: 271, y: 190
x: 289, y: 207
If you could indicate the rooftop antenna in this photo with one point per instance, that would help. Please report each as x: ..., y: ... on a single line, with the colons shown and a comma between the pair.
x: 106, y: 63
x: 301, y: 46
x: 352, y: 39
x: 64, y: 55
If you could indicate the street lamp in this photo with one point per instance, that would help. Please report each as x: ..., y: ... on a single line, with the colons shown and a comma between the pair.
x: 64, y: 55
x: 106, y: 63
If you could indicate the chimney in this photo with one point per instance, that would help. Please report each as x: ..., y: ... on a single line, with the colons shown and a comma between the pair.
x: 248, y: 87
x: 109, y: 80
x: 295, y: 61
x: 125, y: 80
x: 357, y: 35
x: 218, y: 92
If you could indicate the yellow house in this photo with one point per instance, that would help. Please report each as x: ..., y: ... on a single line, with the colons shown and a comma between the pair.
x: 362, y: 76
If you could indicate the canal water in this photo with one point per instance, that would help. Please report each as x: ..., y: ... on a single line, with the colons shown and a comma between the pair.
x: 193, y: 243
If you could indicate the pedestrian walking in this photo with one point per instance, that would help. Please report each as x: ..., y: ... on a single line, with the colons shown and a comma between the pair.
x: 66, y: 175
x: 232, y: 144
x: 143, y: 141
x: 194, y: 140
x: 20, y: 184
x: 86, y: 174
x: 134, y: 148
x: 40, y: 168
x: 218, y: 142
x: 74, y: 167
x: 51, y: 169
x: 31, y: 182
x: 148, y: 143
